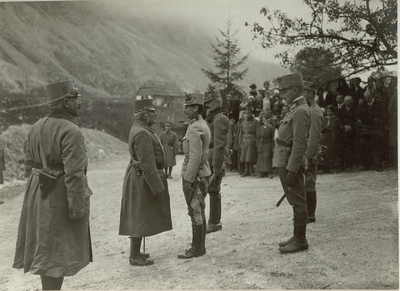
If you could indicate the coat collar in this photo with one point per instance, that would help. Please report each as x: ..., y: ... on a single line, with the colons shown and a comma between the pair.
x: 57, y: 113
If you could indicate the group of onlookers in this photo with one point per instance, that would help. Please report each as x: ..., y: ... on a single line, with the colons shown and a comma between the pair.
x: 359, y: 129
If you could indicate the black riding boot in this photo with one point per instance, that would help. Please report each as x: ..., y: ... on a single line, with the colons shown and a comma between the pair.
x: 311, y: 198
x: 137, y: 258
x: 51, y: 283
x: 298, y: 242
x: 214, y: 221
x: 246, y: 170
x: 197, y: 244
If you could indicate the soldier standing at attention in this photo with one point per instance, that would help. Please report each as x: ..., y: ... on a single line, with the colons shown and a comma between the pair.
x: 53, y: 234
x: 289, y: 157
x: 314, y: 148
x: 218, y: 122
x: 195, y: 172
x: 169, y: 140
x: 145, y: 205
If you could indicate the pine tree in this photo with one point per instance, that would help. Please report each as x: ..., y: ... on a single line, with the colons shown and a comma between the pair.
x: 225, y: 53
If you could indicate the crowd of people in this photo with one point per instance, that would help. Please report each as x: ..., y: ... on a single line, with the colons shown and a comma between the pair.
x: 286, y: 131
x: 359, y: 127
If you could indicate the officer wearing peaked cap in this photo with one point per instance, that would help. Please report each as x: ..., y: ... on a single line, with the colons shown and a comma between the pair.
x: 314, y: 148
x: 218, y: 122
x: 53, y: 234
x: 145, y: 205
x: 195, y: 172
x: 289, y: 157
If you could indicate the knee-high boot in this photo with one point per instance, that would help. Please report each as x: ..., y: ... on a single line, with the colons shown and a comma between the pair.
x: 214, y: 221
x: 197, y: 241
x: 298, y: 242
x: 51, y: 283
x: 246, y: 170
x: 311, y: 198
x: 137, y: 258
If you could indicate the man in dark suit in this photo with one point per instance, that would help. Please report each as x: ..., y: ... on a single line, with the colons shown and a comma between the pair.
x: 356, y: 91
x: 326, y: 97
x: 371, y: 125
x: 347, y: 114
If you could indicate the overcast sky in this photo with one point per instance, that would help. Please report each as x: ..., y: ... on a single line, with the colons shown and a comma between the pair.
x: 213, y: 15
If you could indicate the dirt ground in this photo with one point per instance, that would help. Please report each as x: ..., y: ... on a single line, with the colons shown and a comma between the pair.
x: 353, y: 244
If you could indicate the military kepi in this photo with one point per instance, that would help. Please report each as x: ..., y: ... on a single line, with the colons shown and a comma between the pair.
x: 60, y: 90
x: 143, y: 104
x: 290, y: 81
x: 194, y: 99
x: 211, y: 95
x: 309, y: 86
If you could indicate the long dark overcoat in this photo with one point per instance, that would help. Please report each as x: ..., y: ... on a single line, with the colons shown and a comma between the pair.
x: 50, y: 243
x: 248, y: 140
x: 265, y: 145
x: 141, y: 214
x: 170, y: 142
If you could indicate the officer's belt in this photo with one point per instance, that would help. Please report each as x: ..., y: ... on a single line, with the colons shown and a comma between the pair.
x: 283, y: 144
x: 55, y: 167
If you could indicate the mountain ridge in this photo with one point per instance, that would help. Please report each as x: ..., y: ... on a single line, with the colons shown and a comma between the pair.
x: 106, y: 54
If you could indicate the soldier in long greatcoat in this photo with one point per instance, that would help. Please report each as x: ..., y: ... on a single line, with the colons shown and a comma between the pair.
x: 53, y: 234
x: 145, y: 205
x: 170, y: 142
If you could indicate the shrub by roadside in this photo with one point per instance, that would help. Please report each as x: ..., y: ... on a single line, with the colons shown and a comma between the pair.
x: 99, y: 145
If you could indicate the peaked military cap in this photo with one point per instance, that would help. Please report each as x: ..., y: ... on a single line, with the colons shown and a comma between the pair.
x: 60, y: 90
x: 143, y: 104
x: 290, y: 81
x: 211, y: 95
x: 194, y: 99
x: 309, y: 86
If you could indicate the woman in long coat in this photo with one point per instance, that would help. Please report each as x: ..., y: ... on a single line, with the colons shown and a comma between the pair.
x: 265, y: 144
x: 145, y: 206
x: 248, y: 139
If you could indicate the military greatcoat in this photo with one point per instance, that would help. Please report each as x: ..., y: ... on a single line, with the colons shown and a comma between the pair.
x: 170, y: 143
x: 142, y: 214
x: 50, y: 243
x: 248, y: 140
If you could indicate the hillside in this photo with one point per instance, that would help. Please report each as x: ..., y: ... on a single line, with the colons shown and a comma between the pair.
x: 108, y: 55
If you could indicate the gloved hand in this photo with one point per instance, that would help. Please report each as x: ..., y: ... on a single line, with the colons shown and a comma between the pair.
x: 187, y: 185
x: 217, y: 171
x: 290, y: 178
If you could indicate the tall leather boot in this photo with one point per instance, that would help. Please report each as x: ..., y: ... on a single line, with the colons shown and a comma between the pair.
x: 204, y: 235
x: 137, y: 258
x: 246, y: 170
x: 298, y: 242
x: 51, y: 283
x: 311, y: 198
x: 197, y: 241
x: 214, y: 221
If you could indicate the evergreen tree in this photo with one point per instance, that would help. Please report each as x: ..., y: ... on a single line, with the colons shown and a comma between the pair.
x: 225, y: 54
